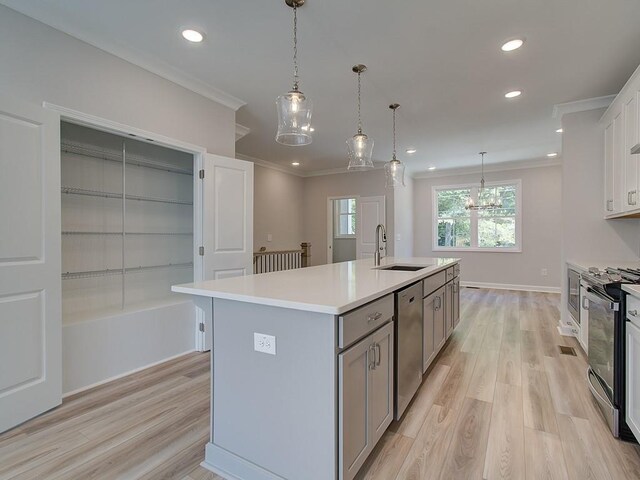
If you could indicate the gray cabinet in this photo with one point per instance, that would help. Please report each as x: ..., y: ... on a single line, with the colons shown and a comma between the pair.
x: 433, y: 326
x: 448, y: 308
x: 365, y: 397
x: 456, y: 302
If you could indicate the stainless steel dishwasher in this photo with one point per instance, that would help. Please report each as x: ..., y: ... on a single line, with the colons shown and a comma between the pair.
x: 408, y: 351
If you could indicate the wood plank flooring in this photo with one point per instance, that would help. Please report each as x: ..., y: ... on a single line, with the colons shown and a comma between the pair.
x: 499, y: 402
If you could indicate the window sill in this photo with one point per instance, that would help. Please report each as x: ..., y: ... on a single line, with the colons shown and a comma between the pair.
x: 478, y: 249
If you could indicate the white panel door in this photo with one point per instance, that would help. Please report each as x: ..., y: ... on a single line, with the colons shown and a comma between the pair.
x: 30, y: 286
x: 371, y: 212
x: 228, y: 221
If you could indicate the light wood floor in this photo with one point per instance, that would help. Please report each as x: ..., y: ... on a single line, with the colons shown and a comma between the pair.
x: 499, y: 402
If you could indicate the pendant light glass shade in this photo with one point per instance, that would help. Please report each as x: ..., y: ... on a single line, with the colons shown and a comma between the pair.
x: 394, y: 169
x: 294, y: 109
x: 294, y: 119
x: 394, y: 173
x: 360, y: 146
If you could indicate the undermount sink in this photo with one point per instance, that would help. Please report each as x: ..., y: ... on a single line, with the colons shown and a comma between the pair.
x: 404, y: 268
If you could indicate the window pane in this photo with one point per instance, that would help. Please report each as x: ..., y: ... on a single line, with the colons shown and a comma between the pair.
x: 344, y: 224
x: 343, y: 205
x: 497, y: 232
x: 451, y: 203
x: 454, y: 232
x: 352, y: 225
x: 352, y: 205
x: 502, y: 194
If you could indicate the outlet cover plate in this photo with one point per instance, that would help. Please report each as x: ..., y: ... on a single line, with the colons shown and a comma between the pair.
x: 264, y: 343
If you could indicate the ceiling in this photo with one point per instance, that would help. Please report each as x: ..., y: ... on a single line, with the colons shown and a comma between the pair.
x: 441, y: 60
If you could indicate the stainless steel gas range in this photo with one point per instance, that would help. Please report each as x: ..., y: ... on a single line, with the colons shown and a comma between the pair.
x: 606, y: 374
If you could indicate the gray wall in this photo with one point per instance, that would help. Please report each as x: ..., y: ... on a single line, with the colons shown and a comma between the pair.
x: 42, y: 64
x: 344, y: 249
x: 541, y: 230
x: 318, y: 189
x: 278, y: 209
x: 586, y: 235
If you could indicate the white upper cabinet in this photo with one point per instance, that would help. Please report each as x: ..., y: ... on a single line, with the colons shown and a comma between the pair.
x: 621, y: 168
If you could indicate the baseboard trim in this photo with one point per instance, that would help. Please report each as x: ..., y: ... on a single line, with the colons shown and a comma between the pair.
x: 135, y: 370
x: 508, y: 286
x: 232, y: 467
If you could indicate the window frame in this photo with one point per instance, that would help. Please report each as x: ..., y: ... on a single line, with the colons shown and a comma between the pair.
x: 474, y: 218
x: 337, y: 215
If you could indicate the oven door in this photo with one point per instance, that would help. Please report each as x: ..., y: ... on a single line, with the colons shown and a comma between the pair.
x: 573, y: 294
x: 602, y: 315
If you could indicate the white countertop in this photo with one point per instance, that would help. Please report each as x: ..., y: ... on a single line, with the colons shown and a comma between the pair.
x: 632, y: 289
x: 334, y: 288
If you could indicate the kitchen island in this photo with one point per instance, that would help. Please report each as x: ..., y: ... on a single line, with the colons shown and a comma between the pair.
x: 303, y: 365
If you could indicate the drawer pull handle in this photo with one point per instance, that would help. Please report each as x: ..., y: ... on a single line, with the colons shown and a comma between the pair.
x: 372, y: 364
x: 373, y: 317
x: 378, y: 355
x: 585, y: 302
x: 633, y: 313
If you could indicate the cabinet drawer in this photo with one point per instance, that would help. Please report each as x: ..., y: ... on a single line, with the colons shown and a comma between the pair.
x: 359, y: 322
x: 450, y: 273
x: 456, y: 270
x: 633, y: 309
x: 434, y: 282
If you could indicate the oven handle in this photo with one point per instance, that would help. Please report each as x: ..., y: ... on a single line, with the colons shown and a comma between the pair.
x: 593, y: 389
x: 599, y: 297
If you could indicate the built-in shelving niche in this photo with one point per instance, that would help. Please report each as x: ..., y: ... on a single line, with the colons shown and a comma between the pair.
x: 127, y: 223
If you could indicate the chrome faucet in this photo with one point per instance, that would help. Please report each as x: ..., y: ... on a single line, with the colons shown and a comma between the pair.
x: 378, y: 256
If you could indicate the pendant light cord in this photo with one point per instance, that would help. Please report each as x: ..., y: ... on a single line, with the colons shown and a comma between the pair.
x: 359, y: 115
x: 295, y: 49
x: 394, y: 134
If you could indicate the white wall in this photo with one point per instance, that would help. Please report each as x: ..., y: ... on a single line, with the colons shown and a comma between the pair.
x: 318, y: 189
x: 586, y: 235
x: 403, y: 215
x: 541, y: 229
x: 278, y: 209
x: 42, y: 64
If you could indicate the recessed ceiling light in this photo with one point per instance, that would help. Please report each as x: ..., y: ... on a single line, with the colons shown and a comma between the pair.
x: 513, y: 94
x: 552, y: 154
x: 411, y: 150
x: 560, y: 130
x: 431, y: 168
x: 512, y: 45
x: 295, y: 164
x: 192, y: 35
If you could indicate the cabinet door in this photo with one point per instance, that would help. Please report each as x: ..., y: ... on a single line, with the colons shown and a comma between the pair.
x: 619, y: 193
x: 380, y: 397
x: 631, y: 161
x: 448, y: 308
x: 608, y: 170
x: 355, y: 445
x: 438, y: 319
x: 633, y: 378
x: 456, y: 302
x: 428, y: 345
x: 583, y: 338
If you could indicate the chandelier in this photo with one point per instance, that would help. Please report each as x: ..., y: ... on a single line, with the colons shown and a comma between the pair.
x: 470, y: 203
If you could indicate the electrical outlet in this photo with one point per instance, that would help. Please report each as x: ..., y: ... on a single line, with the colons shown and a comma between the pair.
x: 543, y: 272
x: 269, y: 237
x: 264, y: 343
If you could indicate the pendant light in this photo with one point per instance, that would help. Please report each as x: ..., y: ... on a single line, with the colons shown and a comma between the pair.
x: 360, y: 146
x: 394, y: 169
x: 470, y: 204
x: 294, y: 109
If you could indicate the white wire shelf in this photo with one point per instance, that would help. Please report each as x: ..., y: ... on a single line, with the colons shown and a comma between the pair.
x: 98, y: 193
x: 118, y: 271
x: 116, y: 156
x: 72, y: 232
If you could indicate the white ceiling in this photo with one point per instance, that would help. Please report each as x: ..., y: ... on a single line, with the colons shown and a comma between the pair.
x: 441, y: 60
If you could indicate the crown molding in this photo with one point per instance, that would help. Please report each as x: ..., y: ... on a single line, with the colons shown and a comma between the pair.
x: 336, y: 171
x: 241, y: 131
x: 147, y: 62
x: 271, y: 165
x: 493, y: 167
x: 561, y: 109
x: 632, y: 79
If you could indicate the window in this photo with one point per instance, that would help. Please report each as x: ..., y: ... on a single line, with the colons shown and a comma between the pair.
x: 344, y: 218
x: 497, y: 230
